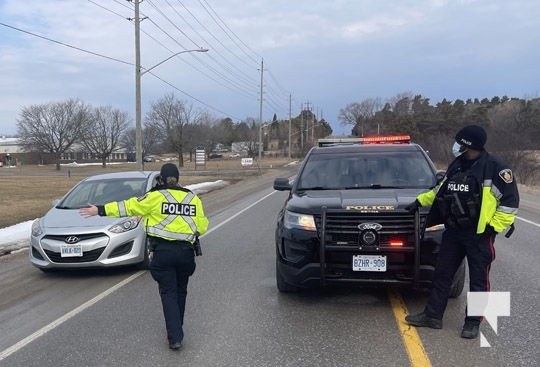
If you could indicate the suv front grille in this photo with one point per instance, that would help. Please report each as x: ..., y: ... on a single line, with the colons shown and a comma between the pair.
x: 342, y: 227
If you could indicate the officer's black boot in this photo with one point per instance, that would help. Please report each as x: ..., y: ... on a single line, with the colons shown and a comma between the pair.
x: 423, y: 320
x: 470, y: 331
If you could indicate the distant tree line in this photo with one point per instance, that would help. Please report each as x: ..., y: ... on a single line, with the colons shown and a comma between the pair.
x: 512, y: 124
x: 174, y: 126
x: 170, y: 126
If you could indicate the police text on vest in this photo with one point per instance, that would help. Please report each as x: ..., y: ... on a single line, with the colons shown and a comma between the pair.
x: 178, y: 209
x: 458, y: 187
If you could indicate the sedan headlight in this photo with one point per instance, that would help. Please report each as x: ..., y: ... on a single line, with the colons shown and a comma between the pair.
x: 299, y: 221
x: 36, y: 229
x: 125, y: 226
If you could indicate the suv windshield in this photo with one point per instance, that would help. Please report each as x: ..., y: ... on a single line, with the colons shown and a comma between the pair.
x: 367, y: 170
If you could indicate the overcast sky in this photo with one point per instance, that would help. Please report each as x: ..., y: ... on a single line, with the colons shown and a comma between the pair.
x: 324, y: 53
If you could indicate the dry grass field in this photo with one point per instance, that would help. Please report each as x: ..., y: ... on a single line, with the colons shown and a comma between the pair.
x: 27, y: 193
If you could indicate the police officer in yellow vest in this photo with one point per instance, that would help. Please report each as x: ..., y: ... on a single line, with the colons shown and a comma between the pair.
x: 477, y: 199
x: 173, y: 219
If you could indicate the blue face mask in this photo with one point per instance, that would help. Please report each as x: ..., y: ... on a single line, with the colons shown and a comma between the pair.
x: 456, y: 150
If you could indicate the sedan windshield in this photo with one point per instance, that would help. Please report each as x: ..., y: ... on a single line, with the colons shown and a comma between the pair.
x: 377, y: 170
x: 102, y: 191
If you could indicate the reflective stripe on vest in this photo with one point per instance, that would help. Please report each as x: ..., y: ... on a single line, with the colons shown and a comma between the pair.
x: 122, y: 209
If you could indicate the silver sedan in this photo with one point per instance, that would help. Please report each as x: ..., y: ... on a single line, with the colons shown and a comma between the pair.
x: 64, y: 239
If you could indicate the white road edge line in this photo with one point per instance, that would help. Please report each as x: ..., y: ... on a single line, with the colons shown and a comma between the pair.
x: 67, y: 316
x: 528, y: 221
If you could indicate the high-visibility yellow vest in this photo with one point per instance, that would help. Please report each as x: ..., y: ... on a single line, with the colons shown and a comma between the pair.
x: 172, y: 214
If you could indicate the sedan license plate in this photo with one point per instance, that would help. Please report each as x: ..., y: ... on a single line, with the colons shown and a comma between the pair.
x: 369, y: 263
x: 71, y: 250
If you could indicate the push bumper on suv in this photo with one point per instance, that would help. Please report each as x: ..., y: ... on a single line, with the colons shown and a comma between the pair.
x: 306, y: 261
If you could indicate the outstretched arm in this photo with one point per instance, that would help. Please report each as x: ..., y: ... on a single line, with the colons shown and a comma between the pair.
x: 89, y: 212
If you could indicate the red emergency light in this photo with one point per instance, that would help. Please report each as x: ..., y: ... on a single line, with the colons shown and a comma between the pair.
x: 396, y: 243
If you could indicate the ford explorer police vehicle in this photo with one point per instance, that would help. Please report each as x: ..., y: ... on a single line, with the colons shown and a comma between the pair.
x: 344, y: 221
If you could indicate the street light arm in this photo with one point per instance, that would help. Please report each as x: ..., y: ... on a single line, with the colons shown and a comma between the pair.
x: 170, y: 57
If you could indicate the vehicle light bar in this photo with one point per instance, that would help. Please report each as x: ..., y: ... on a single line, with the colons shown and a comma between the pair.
x: 333, y: 141
x: 397, y: 139
x: 396, y: 243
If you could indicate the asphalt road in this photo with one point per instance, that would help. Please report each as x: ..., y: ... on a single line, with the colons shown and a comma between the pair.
x: 236, y: 317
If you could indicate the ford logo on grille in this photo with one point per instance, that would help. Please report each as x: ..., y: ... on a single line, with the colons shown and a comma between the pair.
x: 71, y: 239
x: 373, y: 226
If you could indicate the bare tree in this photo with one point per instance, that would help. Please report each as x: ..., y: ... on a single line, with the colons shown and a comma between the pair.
x: 248, y: 134
x: 171, y: 115
x: 152, y: 139
x: 52, y: 128
x: 357, y: 113
x: 204, y: 132
x: 102, y: 137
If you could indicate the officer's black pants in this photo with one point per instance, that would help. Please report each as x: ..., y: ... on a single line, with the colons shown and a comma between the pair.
x: 172, y: 265
x: 455, y: 245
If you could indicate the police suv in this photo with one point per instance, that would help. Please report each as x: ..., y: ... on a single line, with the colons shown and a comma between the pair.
x: 344, y: 222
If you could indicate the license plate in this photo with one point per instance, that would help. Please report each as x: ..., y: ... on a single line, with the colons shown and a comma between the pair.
x: 71, y: 250
x: 369, y: 263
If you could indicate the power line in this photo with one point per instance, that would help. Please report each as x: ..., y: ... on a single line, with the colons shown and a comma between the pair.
x: 231, y: 32
x: 190, y: 96
x: 65, y: 44
x: 170, y: 21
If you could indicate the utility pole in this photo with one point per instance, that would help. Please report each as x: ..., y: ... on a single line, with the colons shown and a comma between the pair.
x: 307, y: 122
x: 290, y: 124
x: 312, y: 127
x: 260, y: 116
x: 302, y: 127
x: 138, y: 74
x: 138, y: 132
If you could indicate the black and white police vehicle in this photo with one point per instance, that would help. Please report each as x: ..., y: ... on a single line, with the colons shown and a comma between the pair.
x: 344, y: 222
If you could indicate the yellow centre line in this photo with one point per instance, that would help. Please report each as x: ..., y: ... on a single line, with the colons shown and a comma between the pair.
x: 413, y: 344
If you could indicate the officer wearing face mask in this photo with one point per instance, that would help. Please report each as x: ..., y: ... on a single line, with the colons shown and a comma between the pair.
x: 477, y: 199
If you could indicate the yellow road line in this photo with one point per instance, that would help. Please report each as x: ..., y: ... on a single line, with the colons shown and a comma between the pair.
x: 413, y: 344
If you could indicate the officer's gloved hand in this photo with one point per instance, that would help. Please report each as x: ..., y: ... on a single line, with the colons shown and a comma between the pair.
x: 490, y: 231
x: 412, y: 207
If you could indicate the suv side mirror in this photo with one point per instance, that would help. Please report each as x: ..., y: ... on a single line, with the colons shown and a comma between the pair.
x: 282, y: 184
x: 439, y: 176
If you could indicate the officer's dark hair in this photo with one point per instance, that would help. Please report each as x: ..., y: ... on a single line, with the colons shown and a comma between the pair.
x: 171, y: 183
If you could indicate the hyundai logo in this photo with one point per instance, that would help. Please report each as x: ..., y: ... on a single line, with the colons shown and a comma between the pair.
x: 374, y: 226
x: 71, y: 239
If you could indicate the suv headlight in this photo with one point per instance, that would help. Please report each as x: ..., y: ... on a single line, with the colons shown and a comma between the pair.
x: 299, y: 221
x: 438, y: 227
x: 127, y: 225
x: 36, y: 229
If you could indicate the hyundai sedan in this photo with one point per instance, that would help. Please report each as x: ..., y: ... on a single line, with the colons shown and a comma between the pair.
x: 65, y: 239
